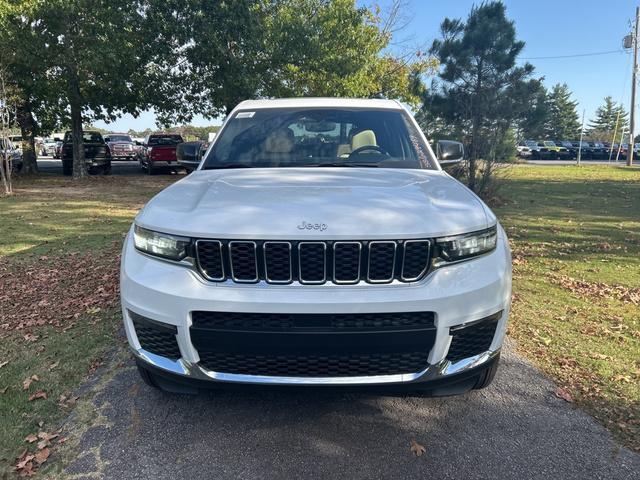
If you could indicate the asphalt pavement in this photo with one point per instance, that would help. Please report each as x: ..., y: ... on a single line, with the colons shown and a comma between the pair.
x: 515, y: 429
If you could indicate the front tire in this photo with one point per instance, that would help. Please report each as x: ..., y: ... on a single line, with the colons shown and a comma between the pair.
x: 150, y: 169
x: 162, y: 384
x: 486, y: 377
x: 67, y: 168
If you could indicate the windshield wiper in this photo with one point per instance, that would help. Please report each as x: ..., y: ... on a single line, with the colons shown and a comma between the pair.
x: 228, y: 165
x: 342, y: 164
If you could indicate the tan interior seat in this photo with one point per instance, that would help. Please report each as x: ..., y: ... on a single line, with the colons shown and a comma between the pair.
x: 365, y: 138
x: 278, y: 146
x: 362, y: 138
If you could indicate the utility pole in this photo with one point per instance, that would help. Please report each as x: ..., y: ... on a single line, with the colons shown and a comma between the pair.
x: 580, y: 145
x: 632, y: 119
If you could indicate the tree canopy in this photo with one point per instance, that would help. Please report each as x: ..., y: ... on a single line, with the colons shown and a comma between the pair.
x: 563, y: 122
x: 480, y: 91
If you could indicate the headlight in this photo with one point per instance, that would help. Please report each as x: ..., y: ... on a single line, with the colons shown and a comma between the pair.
x: 468, y: 245
x: 160, y: 244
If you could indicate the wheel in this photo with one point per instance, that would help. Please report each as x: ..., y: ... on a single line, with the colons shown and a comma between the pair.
x: 163, y: 384
x: 150, y: 169
x: 486, y: 377
x: 147, y: 377
x: 106, y: 169
x: 67, y: 168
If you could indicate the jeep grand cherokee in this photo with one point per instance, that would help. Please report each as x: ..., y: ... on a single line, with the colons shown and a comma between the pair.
x: 319, y: 243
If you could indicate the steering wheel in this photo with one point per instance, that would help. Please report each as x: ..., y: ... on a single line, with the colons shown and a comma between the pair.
x: 365, y: 148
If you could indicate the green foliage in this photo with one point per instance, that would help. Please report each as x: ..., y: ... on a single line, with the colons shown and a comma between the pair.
x: 480, y: 92
x: 609, y: 115
x: 563, y: 122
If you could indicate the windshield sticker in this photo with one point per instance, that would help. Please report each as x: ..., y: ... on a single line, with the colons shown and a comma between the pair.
x: 245, y: 114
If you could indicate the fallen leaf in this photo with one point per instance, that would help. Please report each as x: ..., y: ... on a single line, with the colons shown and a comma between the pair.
x: 39, y: 394
x: 42, y: 456
x: 28, y: 381
x: 2, y: 364
x: 4, y: 390
x: 53, y: 365
x: 417, y: 449
x: 30, y: 337
x: 31, y: 438
x: 564, y: 395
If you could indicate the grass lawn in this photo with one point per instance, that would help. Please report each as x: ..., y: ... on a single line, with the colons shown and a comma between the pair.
x: 576, y: 239
x: 59, y: 259
x: 575, y: 235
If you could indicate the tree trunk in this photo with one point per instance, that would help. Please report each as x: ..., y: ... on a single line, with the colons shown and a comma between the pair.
x: 75, y: 103
x: 28, y: 132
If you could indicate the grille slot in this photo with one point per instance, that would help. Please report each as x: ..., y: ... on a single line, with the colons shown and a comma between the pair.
x: 415, y: 259
x: 156, y: 337
x: 474, y: 338
x: 209, y: 255
x: 244, y: 264
x: 346, y: 262
x: 313, y: 262
x: 277, y: 262
x: 382, y: 261
x: 349, y: 365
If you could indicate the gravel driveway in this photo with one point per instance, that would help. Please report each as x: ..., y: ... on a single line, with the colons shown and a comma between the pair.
x: 516, y: 428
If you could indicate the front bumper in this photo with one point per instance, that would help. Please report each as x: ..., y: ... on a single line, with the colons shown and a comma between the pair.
x: 458, y: 294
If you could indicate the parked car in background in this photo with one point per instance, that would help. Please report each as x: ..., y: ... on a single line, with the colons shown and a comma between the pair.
x: 16, y: 141
x: 7, y: 147
x: 538, y: 152
x: 159, y: 150
x: 57, y: 151
x: 555, y: 152
x: 572, y: 152
x: 523, y: 150
x: 48, y: 147
x: 189, y: 154
x: 121, y: 146
x: 586, y: 150
x: 599, y: 151
x: 96, y: 153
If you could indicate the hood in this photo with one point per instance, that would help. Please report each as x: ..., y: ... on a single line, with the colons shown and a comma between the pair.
x: 322, y: 203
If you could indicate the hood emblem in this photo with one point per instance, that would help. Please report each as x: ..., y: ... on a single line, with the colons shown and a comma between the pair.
x: 321, y: 227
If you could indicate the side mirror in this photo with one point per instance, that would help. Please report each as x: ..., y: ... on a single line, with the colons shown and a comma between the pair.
x: 189, y: 152
x: 449, y: 152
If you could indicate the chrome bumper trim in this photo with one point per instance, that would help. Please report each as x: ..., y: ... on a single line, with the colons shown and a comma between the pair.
x: 432, y: 372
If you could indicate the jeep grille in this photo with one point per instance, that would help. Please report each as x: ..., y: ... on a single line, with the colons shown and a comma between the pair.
x: 313, y: 262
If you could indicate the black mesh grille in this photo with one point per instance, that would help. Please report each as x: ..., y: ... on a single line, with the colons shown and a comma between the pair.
x: 312, y: 262
x: 243, y: 261
x: 416, y: 259
x: 210, y: 258
x: 473, y: 339
x: 241, y: 321
x: 346, y: 260
x: 277, y: 261
x: 156, y: 337
x: 381, y: 261
x: 315, y: 365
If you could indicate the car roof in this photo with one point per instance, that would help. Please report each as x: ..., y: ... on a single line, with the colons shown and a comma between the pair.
x: 316, y: 102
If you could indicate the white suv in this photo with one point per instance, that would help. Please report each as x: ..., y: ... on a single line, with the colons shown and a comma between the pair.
x: 319, y: 243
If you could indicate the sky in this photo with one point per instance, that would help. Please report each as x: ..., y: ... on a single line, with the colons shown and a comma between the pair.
x: 549, y: 28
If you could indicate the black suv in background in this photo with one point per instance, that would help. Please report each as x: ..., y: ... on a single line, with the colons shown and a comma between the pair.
x: 96, y: 153
x: 571, y: 149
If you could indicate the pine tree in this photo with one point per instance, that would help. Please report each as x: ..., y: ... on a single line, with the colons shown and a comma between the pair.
x: 563, y: 121
x: 607, y: 117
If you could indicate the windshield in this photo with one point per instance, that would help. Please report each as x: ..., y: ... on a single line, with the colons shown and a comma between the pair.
x: 549, y: 143
x: 87, y: 137
x: 319, y: 137
x: 118, y: 138
x: 531, y: 143
x: 165, y: 140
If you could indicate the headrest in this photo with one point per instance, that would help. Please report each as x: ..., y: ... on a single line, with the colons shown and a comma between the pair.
x: 279, y: 141
x: 365, y: 138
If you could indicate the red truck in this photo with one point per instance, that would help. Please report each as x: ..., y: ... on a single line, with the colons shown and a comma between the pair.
x: 159, y: 150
